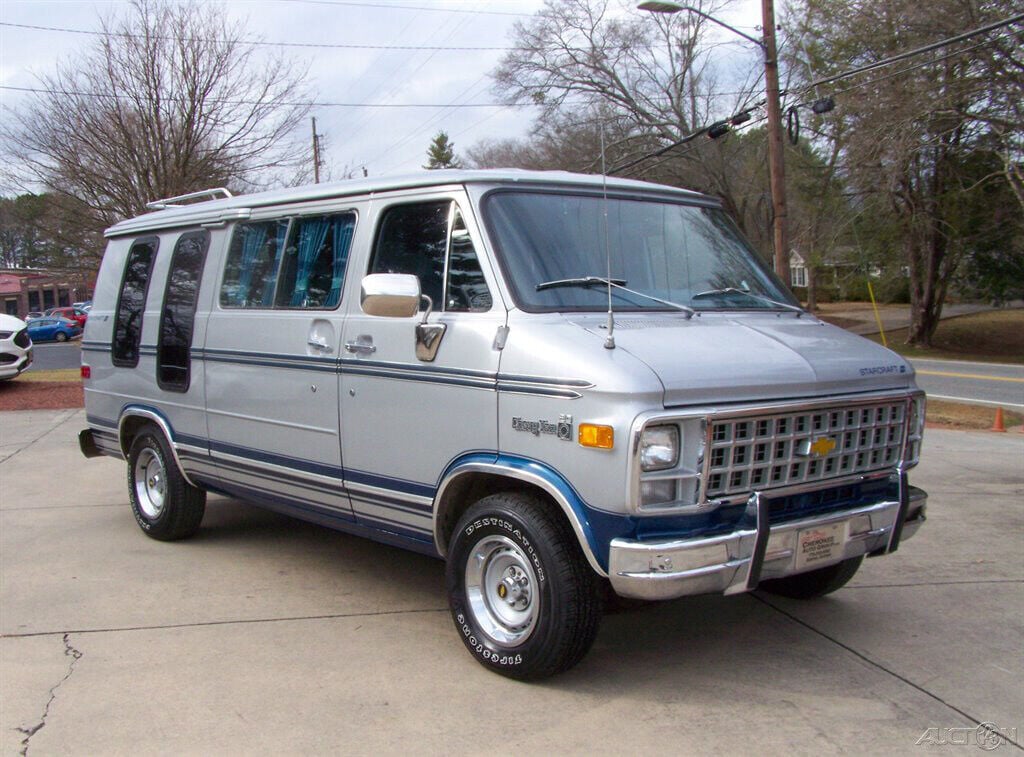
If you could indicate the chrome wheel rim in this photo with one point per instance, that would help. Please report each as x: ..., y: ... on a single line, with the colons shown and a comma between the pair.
x: 502, y: 591
x: 150, y: 483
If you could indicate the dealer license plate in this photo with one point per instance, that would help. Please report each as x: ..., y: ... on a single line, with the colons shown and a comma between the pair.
x: 821, y: 544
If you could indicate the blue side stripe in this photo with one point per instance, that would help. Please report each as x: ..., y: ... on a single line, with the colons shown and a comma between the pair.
x: 380, y: 529
x: 320, y: 469
x: 409, y: 508
x: 387, y: 482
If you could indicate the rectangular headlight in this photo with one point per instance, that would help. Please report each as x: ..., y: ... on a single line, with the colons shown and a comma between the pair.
x: 659, y: 448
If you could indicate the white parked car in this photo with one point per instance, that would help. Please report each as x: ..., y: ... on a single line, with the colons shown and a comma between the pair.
x: 15, y: 347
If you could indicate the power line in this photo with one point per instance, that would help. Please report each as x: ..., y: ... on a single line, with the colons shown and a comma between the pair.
x: 399, y: 82
x: 312, y: 103
x: 411, y: 7
x: 263, y: 43
x: 922, y: 64
x: 836, y: 77
x: 664, y: 160
x: 916, y: 51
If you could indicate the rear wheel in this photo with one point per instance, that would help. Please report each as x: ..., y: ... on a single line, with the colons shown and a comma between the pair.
x: 814, y: 583
x: 524, y: 600
x: 165, y: 505
x: 60, y: 336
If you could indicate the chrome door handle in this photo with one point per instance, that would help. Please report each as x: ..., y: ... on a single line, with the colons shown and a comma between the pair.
x: 320, y: 344
x: 362, y: 345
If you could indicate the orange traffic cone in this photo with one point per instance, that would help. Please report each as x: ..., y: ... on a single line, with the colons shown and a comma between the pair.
x: 998, y: 425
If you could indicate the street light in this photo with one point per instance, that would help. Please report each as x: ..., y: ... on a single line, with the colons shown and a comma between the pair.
x: 776, y: 164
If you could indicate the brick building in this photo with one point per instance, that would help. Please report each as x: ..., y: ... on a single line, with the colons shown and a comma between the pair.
x: 23, y: 290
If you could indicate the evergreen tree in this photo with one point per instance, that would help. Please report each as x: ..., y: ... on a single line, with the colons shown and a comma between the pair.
x: 441, y: 153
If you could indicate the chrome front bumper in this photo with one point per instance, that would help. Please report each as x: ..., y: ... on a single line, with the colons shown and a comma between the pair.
x: 736, y: 562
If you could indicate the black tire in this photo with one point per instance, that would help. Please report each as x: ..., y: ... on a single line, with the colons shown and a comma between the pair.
x: 546, y: 622
x: 60, y: 336
x: 814, y: 583
x: 164, y: 504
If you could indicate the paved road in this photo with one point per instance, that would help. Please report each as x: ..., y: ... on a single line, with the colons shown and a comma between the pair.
x: 264, y: 635
x: 977, y: 383
x: 52, y: 355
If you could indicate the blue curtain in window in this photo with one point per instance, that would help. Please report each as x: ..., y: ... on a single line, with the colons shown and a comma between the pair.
x: 253, y: 239
x: 280, y: 230
x: 312, y: 234
x: 343, y: 228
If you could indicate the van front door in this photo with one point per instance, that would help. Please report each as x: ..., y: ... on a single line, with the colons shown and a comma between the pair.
x: 408, y: 414
x: 272, y: 365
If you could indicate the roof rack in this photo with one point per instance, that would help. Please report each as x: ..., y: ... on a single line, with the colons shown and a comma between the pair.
x: 175, y: 202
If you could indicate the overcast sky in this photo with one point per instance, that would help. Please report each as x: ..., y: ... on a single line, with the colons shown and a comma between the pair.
x: 383, y: 139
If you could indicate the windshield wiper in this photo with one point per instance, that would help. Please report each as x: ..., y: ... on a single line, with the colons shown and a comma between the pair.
x: 586, y: 281
x: 760, y: 297
x: 581, y: 281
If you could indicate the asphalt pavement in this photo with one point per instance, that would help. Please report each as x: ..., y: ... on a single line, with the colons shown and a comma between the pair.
x: 264, y: 635
x: 48, y: 356
x: 995, y: 384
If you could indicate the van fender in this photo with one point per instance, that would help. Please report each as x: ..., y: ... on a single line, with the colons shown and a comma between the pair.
x: 158, y: 419
x: 527, y: 471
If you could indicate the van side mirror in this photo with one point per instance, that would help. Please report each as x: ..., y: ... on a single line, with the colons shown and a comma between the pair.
x: 392, y: 295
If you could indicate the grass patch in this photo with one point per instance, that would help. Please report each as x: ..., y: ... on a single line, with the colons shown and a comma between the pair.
x: 975, y: 417
x: 993, y: 337
x: 61, y: 374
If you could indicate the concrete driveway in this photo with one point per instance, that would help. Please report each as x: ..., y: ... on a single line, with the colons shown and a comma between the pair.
x: 264, y: 635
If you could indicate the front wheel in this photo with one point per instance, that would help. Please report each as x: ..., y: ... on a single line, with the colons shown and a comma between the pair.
x: 814, y: 583
x: 60, y: 336
x: 524, y: 600
x: 165, y: 505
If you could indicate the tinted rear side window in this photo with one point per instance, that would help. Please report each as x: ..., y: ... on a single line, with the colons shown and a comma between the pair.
x: 314, y: 262
x: 177, y: 318
x: 131, y: 303
x: 250, y: 273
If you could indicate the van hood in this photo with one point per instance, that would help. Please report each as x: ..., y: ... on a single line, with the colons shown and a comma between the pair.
x: 748, y: 357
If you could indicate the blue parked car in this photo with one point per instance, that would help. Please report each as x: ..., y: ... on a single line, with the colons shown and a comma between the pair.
x: 47, y: 329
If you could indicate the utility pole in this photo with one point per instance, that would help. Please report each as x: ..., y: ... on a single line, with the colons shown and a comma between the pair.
x: 776, y: 159
x: 776, y: 165
x: 316, y: 153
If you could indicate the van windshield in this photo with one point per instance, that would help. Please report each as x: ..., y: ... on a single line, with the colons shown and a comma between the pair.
x: 552, y: 248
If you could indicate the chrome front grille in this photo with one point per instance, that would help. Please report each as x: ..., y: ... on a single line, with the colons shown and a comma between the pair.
x: 770, y: 451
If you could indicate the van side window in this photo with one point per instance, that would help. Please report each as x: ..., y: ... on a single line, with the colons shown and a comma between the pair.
x: 315, y: 259
x: 131, y: 303
x: 250, y: 272
x: 466, y: 288
x: 173, y: 367
x: 420, y: 239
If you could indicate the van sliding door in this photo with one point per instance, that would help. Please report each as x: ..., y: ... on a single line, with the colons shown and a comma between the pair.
x: 272, y: 363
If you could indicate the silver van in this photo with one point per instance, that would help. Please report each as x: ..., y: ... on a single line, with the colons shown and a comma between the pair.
x: 560, y: 384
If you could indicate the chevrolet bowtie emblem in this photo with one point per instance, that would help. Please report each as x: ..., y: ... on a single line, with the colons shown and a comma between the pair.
x: 822, y: 446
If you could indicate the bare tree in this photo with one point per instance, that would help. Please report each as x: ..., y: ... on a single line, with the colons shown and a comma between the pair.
x: 171, y: 99
x: 645, y: 80
x: 909, y: 134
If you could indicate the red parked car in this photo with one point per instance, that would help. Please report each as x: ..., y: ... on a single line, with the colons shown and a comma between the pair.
x: 77, y: 315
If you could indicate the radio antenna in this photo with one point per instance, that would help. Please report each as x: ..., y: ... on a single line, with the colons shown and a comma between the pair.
x: 609, y: 342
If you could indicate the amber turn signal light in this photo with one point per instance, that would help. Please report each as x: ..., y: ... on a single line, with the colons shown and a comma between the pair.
x: 601, y: 437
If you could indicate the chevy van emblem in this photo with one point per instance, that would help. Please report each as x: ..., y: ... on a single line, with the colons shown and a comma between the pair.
x: 821, y: 446
x: 562, y: 429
